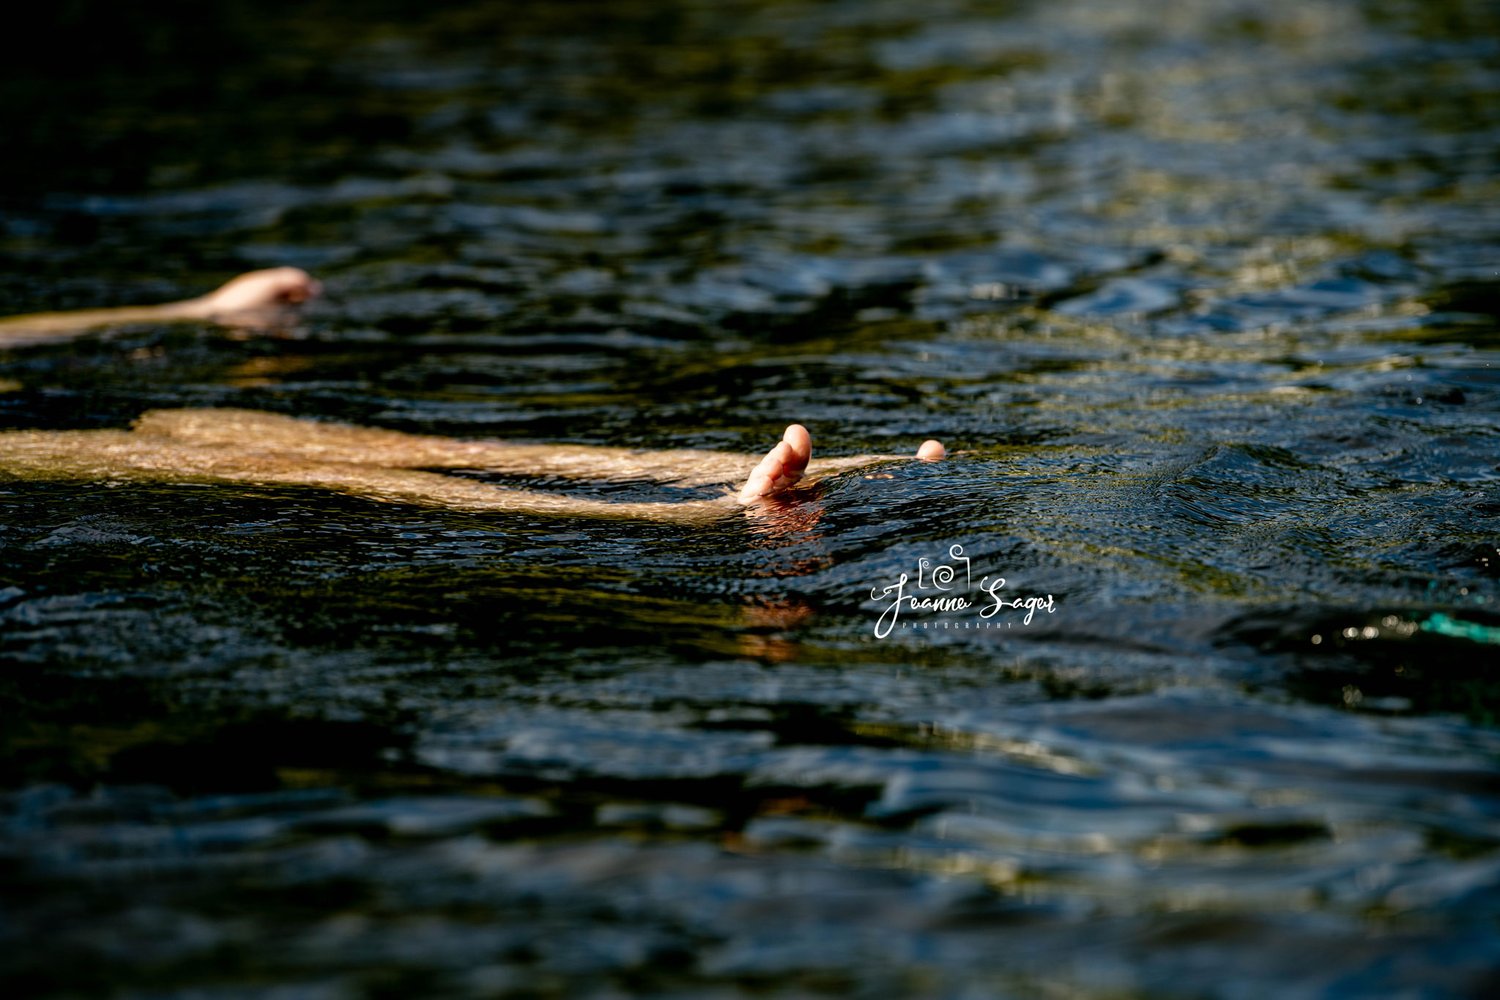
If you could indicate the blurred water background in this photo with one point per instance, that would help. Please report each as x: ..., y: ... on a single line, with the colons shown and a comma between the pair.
x: 1205, y: 292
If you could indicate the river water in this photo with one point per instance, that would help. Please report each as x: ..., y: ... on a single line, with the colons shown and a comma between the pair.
x: 1202, y: 295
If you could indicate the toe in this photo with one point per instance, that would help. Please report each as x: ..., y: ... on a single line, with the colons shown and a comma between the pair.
x: 782, y: 467
x: 798, y: 444
x: 931, y: 451
x: 762, y: 481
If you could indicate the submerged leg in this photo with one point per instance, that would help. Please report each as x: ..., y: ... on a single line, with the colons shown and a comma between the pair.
x: 272, y: 433
x: 122, y: 455
x: 247, y: 299
x: 198, y: 446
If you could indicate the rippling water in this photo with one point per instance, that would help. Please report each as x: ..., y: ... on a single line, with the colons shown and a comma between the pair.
x: 1203, y: 295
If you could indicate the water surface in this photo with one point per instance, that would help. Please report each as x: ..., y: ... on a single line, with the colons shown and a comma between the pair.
x: 1203, y: 295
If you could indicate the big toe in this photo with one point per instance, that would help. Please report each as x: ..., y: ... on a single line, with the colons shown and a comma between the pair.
x: 782, y: 467
x: 799, y: 450
x: 762, y: 481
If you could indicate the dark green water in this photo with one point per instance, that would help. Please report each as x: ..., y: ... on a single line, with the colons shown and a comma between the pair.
x: 1204, y: 292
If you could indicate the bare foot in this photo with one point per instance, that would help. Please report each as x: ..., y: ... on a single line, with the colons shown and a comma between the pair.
x: 782, y: 466
x: 257, y: 290
x: 931, y: 451
x: 247, y: 301
x: 785, y: 464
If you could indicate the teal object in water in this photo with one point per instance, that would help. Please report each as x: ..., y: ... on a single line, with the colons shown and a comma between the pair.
x: 1457, y: 628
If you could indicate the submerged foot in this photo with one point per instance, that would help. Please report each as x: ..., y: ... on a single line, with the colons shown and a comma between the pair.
x: 782, y: 466
x: 785, y: 464
x: 256, y: 291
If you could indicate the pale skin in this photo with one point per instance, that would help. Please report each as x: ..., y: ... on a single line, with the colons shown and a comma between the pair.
x: 246, y: 300
x: 250, y: 447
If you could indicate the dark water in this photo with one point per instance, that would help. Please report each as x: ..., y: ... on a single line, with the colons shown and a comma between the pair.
x: 1204, y: 292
